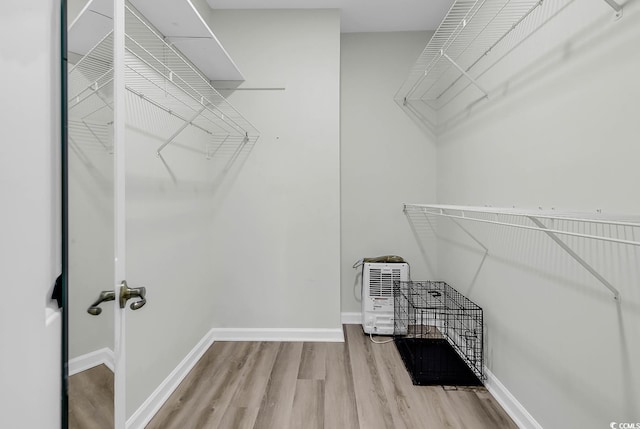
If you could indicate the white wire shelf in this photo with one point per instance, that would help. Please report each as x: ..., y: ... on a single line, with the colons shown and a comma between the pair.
x: 592, y: 226
x: 467, y: 33
x: 178, y: 20
x: 473, y: 38
x: 160, y: 75
x: 90, y: 104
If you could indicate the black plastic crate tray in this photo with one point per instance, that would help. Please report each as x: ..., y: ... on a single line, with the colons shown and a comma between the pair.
x: 434, y: 362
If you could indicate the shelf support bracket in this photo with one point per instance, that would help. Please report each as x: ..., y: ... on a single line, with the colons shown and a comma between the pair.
x: 108, y: 149
x: 464, y: 72
x: 574, y: 255
x: 484, y: 255
x: 179, y: 130
x: 466, y: 231
x: 616, y: 7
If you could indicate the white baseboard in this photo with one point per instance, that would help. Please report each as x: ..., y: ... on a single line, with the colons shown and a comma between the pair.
x: 511, y: 405
x: 278, y: 334
x: 154, y: 402
x: 351, y: 318
x: 89, y: 360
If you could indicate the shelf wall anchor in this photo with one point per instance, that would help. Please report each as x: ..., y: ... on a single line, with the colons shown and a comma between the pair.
x: 616, y: 7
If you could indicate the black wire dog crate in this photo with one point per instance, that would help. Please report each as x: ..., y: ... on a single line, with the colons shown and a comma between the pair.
x: 438, y: 333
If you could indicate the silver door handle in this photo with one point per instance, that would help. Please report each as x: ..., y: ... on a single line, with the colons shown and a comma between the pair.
x: 126, y: 293
x: 105, y: 295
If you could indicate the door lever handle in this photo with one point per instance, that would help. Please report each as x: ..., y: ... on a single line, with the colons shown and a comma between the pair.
x: 105, y: 295
x: 126, y: 293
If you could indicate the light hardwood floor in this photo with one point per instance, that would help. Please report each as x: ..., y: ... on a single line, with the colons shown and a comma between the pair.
x: 91, y: 399
x: 356, y: 384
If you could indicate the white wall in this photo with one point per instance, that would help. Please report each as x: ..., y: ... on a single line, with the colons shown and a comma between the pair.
x: 385, y: 159
x: 276, y: 229
x: 564, y: 137
x: 30, y: 215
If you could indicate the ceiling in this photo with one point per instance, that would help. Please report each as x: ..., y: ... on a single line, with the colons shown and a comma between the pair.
x: 361, y: 15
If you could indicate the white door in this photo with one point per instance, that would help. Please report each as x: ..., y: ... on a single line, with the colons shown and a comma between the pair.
x: 29, y: 214
x: 147, y: 215
x: 119, y: 118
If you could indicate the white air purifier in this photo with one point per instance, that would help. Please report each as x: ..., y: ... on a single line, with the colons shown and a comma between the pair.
x: 377, y: 296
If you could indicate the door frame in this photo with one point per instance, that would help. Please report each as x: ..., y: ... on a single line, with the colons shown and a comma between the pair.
x: 64, y: 220
x: 119, y: 176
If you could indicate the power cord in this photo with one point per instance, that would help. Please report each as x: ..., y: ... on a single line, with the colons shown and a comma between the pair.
x: 378, y: 342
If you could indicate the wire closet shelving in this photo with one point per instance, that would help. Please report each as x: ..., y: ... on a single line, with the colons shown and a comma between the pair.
x: 555, y: 224
x: 474, y: 37
x: 159, y: 74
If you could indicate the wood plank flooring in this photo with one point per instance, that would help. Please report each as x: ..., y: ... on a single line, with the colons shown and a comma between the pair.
x: 351, y: 385
x: 91, y: 399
